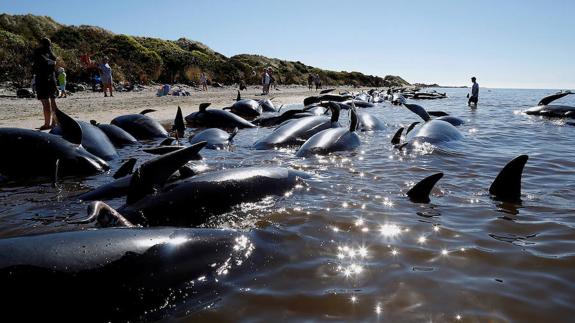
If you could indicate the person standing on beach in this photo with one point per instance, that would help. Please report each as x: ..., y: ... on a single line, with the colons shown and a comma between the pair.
x: 266, y: 79
x: 62, y: 82
x: 204, y: 81
x: 474, y: 93
x: 317, y: 82
x: 310, y: 80
x: 44, y: 62
x: 106, y: 76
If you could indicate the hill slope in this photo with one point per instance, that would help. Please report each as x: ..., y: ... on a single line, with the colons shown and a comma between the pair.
x: 143, y: 59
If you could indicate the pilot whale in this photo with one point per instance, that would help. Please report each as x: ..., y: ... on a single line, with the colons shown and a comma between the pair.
x: 332, y: 140
x: 296, y: 132
x: 115, y: 274
x: 192, y: 201
x: 93, y: 138
x: 141, y: 126
x: 544, y: 108
x: 216, y: 118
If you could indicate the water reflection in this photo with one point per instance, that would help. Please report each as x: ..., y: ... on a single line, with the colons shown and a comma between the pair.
x: 351, y: 232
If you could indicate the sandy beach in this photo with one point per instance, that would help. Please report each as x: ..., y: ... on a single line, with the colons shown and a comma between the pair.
x: 88, y: 105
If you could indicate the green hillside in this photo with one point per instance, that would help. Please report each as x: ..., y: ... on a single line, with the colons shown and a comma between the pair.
x: 143, y: 59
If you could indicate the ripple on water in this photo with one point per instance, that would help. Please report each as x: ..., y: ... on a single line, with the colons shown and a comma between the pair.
x: 349, y: 246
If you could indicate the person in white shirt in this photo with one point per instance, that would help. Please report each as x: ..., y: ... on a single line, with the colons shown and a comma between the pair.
x: 474, y: 93
x: 266, y: 80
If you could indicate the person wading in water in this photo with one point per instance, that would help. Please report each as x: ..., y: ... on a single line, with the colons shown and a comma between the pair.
x: 474, y: 93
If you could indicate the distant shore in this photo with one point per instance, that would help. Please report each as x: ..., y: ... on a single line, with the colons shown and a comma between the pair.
x: 88, y: 105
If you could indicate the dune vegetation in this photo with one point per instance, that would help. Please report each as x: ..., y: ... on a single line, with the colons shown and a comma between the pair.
x: 144, y: 60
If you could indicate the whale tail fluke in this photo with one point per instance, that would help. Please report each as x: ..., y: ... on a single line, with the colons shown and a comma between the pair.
x: 419, y: 193
x: 104, y: 215
x: 397, y: 137
x: 548, y: 99
x: 126, y: 169
x: 419, y: 110
x: 411, y: 126
x: 507, y: 184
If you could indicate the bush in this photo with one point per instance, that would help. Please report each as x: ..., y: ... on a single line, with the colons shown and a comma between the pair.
x: 15, y: 59
x: 131, y: 61
x: 144, y: 59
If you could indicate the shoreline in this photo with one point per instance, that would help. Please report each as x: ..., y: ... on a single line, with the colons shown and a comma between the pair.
x: 88, y: 105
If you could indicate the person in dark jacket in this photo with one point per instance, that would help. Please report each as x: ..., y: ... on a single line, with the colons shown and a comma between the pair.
x: 44, y: 62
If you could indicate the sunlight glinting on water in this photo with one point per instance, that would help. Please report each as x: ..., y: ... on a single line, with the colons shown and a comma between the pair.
x: 350, y: 236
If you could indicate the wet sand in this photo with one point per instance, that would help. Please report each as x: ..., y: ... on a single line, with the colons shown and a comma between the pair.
x: 88, y: 105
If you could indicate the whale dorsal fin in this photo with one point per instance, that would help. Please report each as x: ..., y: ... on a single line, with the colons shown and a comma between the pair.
x: 419, y: 110
x: 156, y: 171
x: 326, y: 91
x: 411, y: 127
x: 419, y: 193
x: 71, y: 130
x: 204, y: 106
x: 397, y: 137
x: 353, y: 121
x: 179, y: 124
x: 233, y: 134
x: 126, y: 169
x: 507, y: 184
x: 335, y: 110
x: 548, y: 99
x: 147, y: 111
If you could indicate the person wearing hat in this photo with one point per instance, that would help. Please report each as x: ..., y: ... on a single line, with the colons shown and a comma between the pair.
x: 44, y: 62
x: 474, y: 93
x: 62, y: 82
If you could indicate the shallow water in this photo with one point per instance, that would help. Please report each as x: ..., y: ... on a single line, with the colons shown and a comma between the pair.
x: 352, y: 247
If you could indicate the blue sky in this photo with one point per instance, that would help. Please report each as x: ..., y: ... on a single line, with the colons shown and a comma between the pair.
x: 511, y: 43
